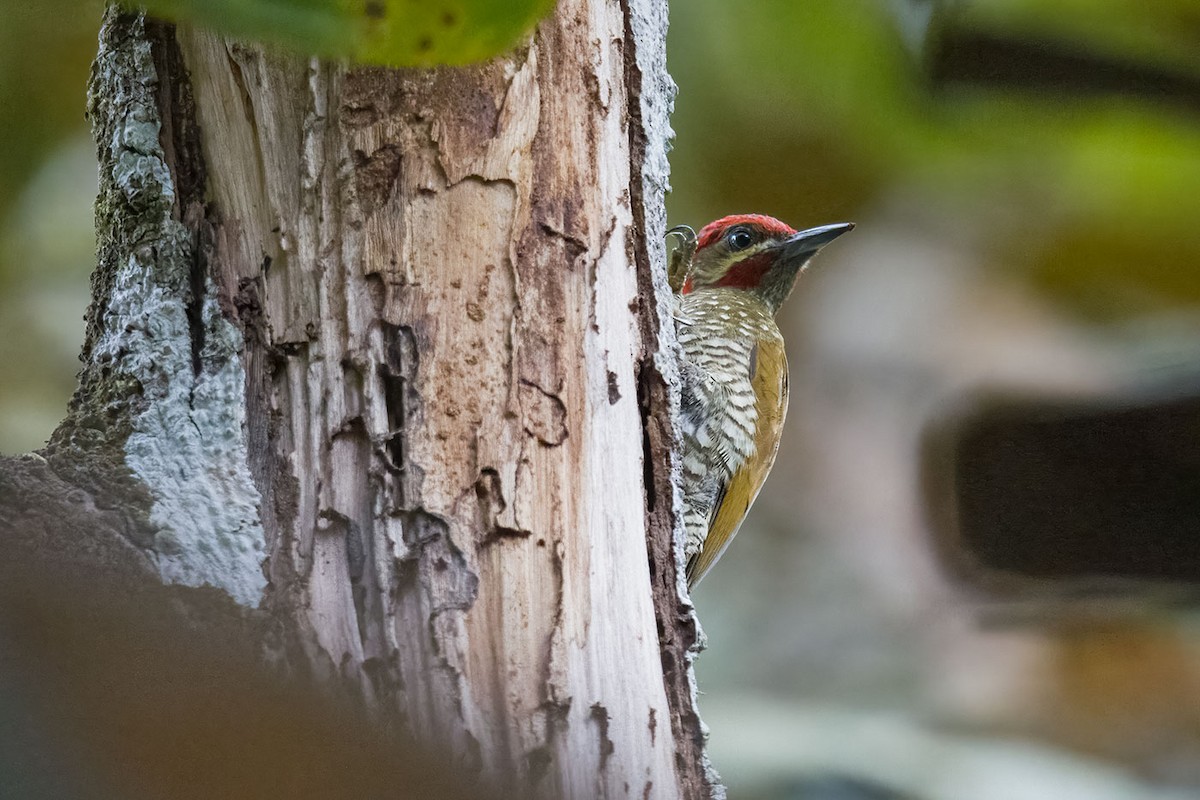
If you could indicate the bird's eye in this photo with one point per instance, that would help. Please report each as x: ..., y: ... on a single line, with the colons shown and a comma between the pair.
x: 739, y: 238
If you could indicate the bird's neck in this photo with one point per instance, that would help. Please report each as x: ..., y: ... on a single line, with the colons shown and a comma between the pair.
x: 721, y: 307
x: 775, y: 287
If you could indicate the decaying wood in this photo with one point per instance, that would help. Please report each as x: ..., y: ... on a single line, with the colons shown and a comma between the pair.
x: 386, y: 352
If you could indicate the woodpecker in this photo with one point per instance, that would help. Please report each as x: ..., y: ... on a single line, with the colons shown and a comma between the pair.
x: 730, y: 281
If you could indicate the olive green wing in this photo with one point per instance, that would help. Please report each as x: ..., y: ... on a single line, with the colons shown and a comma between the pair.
x: 769, y: 379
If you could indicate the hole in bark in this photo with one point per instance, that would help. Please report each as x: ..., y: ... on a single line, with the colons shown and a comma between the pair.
x: 398, y: 368
x: 614, y: 391
x: 356, y: 560
x: 648, y: 478
x: 394, y: 448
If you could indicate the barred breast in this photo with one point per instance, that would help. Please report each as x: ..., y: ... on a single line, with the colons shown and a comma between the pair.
x: 722, y: 335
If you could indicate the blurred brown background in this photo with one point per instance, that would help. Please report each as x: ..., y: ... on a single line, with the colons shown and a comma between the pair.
x: 1026, y: 179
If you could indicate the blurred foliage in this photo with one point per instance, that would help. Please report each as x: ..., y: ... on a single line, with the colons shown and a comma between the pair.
x: 1147, y: 31
x: 47, y: 184
x: 46, y: 49
x: 817, y: 111
x: 395, y: 32
x: 115, y: 686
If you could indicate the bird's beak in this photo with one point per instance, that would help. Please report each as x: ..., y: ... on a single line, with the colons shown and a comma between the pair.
x: 802, y: 245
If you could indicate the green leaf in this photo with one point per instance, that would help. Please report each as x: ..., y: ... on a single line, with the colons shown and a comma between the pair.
x: 402, y: 33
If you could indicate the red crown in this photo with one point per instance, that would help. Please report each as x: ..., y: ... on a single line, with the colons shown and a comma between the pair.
x: 713, y: 231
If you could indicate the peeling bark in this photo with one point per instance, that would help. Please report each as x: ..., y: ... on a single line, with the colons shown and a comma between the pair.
x: 387, y: 354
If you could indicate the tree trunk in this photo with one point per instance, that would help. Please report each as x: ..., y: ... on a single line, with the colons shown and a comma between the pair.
x: 386, y: 354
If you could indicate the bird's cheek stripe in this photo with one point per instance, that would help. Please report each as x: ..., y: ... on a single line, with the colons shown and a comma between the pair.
x: 747, y: 273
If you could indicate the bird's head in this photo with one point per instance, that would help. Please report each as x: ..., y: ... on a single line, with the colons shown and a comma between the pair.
x: 757, y: 254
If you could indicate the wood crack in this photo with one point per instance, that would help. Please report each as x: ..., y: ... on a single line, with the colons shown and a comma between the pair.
x: 658, y: 406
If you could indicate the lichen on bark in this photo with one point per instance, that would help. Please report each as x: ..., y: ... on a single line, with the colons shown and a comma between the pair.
x: 158, y: 416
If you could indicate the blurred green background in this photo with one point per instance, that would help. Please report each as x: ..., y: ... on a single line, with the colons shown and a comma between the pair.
x: 1026, y: 176
x: 47, y: 185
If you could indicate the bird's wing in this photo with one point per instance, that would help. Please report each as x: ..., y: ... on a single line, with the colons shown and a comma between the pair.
x: 769, y: 379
